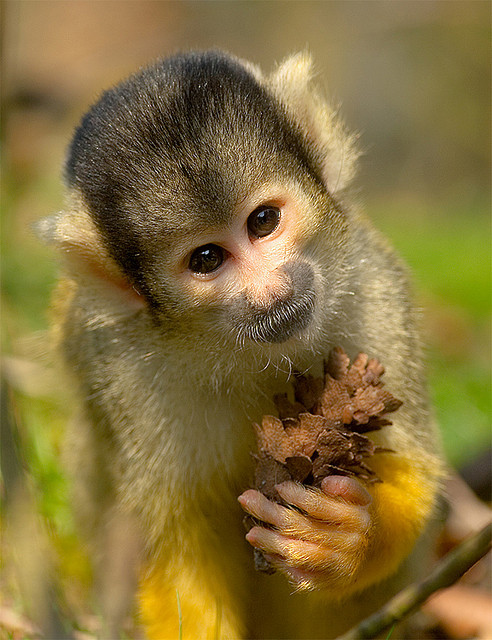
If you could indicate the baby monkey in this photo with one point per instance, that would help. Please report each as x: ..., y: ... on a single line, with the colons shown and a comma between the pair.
x: 210, y: 252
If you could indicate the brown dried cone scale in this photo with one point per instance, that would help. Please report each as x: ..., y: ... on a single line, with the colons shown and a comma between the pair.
x: 323, y: 431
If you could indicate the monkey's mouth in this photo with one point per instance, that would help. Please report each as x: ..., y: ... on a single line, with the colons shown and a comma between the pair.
x: 280, y: 322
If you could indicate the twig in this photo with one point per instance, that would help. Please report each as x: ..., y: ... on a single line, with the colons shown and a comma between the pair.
x: 452, y: 567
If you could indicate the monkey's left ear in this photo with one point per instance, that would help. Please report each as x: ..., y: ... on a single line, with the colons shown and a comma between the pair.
x: 324, y: 131
x: 86, y: 258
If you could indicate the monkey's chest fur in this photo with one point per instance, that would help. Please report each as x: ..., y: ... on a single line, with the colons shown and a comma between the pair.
x: 180, y: 440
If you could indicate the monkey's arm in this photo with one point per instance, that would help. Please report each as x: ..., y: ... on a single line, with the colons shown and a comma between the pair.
x: 344, y: 537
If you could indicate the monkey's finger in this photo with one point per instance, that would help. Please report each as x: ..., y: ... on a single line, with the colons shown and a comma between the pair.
x: 348, y: 489
x: 288, y: 521
x: 293, y: 524
x: 260, y: 507
x: 318, y: 505
x: 303, y: 579
x: 301, y: 554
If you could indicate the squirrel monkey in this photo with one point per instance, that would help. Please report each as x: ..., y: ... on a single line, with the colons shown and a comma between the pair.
x: 210, y: 252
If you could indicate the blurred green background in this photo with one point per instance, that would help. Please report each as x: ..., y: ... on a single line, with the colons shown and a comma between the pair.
x: 413, y: 78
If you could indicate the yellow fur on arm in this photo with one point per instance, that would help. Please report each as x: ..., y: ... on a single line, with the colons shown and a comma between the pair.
x: 401, y: 506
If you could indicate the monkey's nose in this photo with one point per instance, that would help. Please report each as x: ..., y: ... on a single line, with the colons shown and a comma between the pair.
x: 272, y: 288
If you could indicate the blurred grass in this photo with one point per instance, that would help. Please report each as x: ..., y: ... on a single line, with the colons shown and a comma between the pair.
x: 28, y: 268
x: 449, y: 253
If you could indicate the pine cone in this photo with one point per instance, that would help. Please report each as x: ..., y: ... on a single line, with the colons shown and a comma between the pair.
x: 323, y: 431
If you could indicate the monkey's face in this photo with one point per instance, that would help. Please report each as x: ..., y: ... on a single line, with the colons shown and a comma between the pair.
x: 257, y: 278
x: 249, y: 278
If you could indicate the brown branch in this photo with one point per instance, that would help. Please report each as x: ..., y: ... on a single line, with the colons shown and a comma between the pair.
x: 452, y: 567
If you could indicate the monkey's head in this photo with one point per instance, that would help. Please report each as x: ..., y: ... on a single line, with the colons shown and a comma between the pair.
x: 206, y: 194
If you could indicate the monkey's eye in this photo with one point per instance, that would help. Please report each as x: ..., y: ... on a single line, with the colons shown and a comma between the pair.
x: 207, y: 258
x: 263, y: 221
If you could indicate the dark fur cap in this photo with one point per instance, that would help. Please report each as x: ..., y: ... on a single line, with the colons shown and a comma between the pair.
x: 191, y: 134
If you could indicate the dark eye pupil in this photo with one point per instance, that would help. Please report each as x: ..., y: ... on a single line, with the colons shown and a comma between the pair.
x: 206, y: 259
x: 263, y: 221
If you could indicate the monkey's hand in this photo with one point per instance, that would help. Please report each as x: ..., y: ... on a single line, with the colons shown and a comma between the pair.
x: 320, y: 538
x: 344, y: 537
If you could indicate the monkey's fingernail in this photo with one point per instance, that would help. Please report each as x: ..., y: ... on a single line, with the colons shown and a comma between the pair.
x: 283, y: 487
x: 245, y: 497
x: 251, y: 538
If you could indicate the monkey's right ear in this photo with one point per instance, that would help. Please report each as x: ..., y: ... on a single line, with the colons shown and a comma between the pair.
x: 85, y: 257
x: 325, y: 132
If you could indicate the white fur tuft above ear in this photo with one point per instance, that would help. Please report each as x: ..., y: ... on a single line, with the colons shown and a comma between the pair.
x: 294, y: 72
x: 324, y: 131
